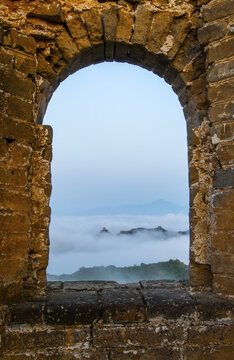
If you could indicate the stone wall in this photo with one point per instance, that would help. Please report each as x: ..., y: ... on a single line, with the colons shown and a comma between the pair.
x: 189, y: 43
x: 104, y: 321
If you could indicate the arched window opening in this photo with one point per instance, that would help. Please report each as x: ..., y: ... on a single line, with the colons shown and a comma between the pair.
x: 120, y: 177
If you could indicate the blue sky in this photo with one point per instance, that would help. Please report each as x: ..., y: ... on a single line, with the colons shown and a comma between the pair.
x: 119, y: 138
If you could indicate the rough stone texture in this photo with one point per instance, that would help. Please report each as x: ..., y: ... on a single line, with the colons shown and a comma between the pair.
x: 188, y: 43
x: 108, y: 323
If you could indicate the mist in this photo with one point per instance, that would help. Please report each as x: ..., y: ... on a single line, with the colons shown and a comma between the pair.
x: 77, y: 242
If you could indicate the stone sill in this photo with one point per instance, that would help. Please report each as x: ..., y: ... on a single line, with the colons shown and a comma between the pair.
x: 80, y: 303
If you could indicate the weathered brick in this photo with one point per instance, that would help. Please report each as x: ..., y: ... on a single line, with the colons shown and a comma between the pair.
x: 15, y: 223
x: 15, y: 246
x: 14, y: 130
x: 222, y: 263
x: 204, y: 335
x: 221, y: 91
x: 161, y: 24
x: 223, y: 241
x: 50, y: 12
x: 17, y: 202
x: 223, y: 178
x: 15, y: 85
x: 80, y: 336
x: 222, y: 112
x: 6, y: 58
x: 44, y: 68
x: 159, y: 354
x: 124, y: 26
x: 223, y: 285
x: 110, y: 21
x: 143, y: 19
x: 76, y: 26
x: 223, y: 210
x: 141, y: 335
x: 221, y: 71
x: 225, y: 154
x: 19, y: 108
x: 22, y: 42
x: 93, y: 22
x: 25, y: 64
x: 13, y: 176
x: 217, y: 353
x: 218, y: 9
x: 211, y: 32
x: 66, y: 45
x: 221, y: 50
x: 221, y: 132
x: 13, y: 269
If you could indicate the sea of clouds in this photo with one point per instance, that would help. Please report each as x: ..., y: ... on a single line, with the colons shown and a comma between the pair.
x: 76, y: 241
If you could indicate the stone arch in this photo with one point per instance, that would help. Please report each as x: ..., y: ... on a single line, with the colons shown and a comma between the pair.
x: 41, y: 45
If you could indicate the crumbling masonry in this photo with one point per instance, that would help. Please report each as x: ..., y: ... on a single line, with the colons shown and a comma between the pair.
x: 190, y: 43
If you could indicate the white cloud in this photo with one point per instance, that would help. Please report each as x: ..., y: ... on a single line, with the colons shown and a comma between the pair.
x: 76, y: 242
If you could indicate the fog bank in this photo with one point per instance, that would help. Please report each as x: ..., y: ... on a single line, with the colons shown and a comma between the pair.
x: 76, y: 241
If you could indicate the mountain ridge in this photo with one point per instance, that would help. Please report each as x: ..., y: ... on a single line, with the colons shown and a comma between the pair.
x: 158, y: 207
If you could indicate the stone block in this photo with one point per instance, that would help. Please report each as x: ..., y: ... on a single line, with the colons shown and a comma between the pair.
x: 143, y: 18
x: 13, y: 176
x: 79, y: 336
x: 76, y: 26
x: 200, y: 275
x: 14, y: 246
x: 204, y: 335
x: 25, y: 64
x: 13, y: 270
x: 223, y: 285
x: 27, y: 340
x: 14, y: 223
x: 160, y: 303
x: 14, y: 130
x: 222, y: 263
x: 93, y: 22
x: 22, y: 42
x: 222, y: 112
x: 221, y: 91
x: 218, y: 9
x: 221, y: 50
x: 121, y: 306
x: 6, y: 58
x: 66, y: 45
x: 19, y: 108
x: 210, y: 308
x: 211, y: 32
x: 159, y: 354
x: 179, y: 30
x: 78, y: 308
x: 161, y: 23
x: 221, y: 71
x: 225, y: 154
x: 146, y: 335
x: 22, y: 87
x: 223, y: 241
x: 110, y: 21
x: 223, y: 210
x: 20, y: 155
x: 222, y: 132
x: 216, y: 353
x: 45, y: 69
x: 124, y: 26
x: 48, y: 12
x: 14, y: 202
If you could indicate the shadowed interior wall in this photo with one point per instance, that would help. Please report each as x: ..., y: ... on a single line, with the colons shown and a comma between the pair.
x: 188, y: 43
